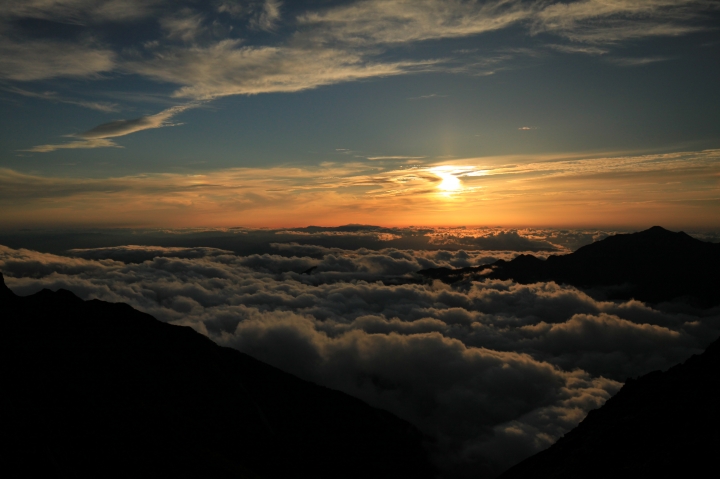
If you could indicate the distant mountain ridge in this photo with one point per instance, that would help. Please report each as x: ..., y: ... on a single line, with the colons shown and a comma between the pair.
x: 96, y: 389
x: 663, y: 424
x: 655, y: 265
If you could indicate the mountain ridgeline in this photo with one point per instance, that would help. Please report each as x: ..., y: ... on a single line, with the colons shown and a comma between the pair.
x: 655, y: 266
x: 663, y: 424
x: 95, y: 389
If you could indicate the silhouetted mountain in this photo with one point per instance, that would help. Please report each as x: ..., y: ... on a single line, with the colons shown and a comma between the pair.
x: 95, y: 389
x: 654, y: 265
x: 664, y: 424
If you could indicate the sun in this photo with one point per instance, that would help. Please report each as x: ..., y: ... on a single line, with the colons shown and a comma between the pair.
x: 450, y: 182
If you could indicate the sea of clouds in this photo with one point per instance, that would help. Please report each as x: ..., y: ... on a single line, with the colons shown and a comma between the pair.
x: 494, y: 370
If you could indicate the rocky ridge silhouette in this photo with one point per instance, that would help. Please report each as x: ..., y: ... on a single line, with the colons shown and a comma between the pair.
x: 655, y: 266
x: 97, y: 389
x: 663, y: 424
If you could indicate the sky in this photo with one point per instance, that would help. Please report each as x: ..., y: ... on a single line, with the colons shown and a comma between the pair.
x: 273, y: 174
x: 151, y: 113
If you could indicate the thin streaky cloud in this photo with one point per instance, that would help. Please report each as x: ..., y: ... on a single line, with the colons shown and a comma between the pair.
x: 75, y: 145
x: 427, y: 97
x: 80, y: 12
x: 395, y: 158
x: 602, y: 21
x: 639, y: 61
x: 98, y: 136
x: 42, y: 59
x: 54, y: 97
x: 388, y: 22
x: 230, y: 68
x: 588, y: 50
x: 125, y: 127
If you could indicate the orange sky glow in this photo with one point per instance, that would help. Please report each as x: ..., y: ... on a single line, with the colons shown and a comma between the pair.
x: 676, y: 190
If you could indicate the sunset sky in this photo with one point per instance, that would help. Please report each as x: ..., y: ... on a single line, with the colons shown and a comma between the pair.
x: 277, y: 175
x: 152, y: 113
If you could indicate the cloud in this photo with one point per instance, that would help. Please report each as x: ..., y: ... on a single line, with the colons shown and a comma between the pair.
x: 427, y: 97
x: 638, y: 61
x: 54, y: 97
x: 185, y: 25
x: 80, y: 11
x: 343, y: 42
x: 495, y: 240
x: 373, y: 158
x: 588, y: 50
x: 373, y: 22
x: 139, y: 254
x: 75, y: 145
x: 228, y: 68
x: 268, y: 17
x: 494, y: 370
x: 599, y: 21
x: 98, y: 136
x: 125, y: 127
x: 387, y: 21
x: 323, y: 46
x: 41, y: 59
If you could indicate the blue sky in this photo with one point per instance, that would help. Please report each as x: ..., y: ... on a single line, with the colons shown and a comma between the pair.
x: 108, y: 90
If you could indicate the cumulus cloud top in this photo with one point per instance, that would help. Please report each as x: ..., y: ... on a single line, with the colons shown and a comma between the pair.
x: 494, y: 370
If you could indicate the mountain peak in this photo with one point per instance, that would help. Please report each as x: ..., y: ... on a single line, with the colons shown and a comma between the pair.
x: 655, y: 265
x: 660, y: 232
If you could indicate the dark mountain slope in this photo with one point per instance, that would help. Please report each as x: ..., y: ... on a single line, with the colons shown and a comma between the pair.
x: 664, y: 424
x: 654, y: 265
x: 94, y: 389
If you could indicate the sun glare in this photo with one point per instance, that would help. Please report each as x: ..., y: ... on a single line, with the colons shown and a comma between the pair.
x: 450, y: 182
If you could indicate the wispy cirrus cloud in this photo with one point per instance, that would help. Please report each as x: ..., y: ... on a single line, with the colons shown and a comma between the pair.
x: 601, y: 21
x: 80, y: 11
x: 197, y: 54
x: 43, y: 59
x: 98, y: 137
x: 341, y: 43
x: 383, y: 158
x: 125, y: 127
x: 588, y: 50
x: 636, y: 61
x: 229, y: 68
x: 56, y: 98
x: 427, y: 97
x: 389, y: 21
x: 74, y: 145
